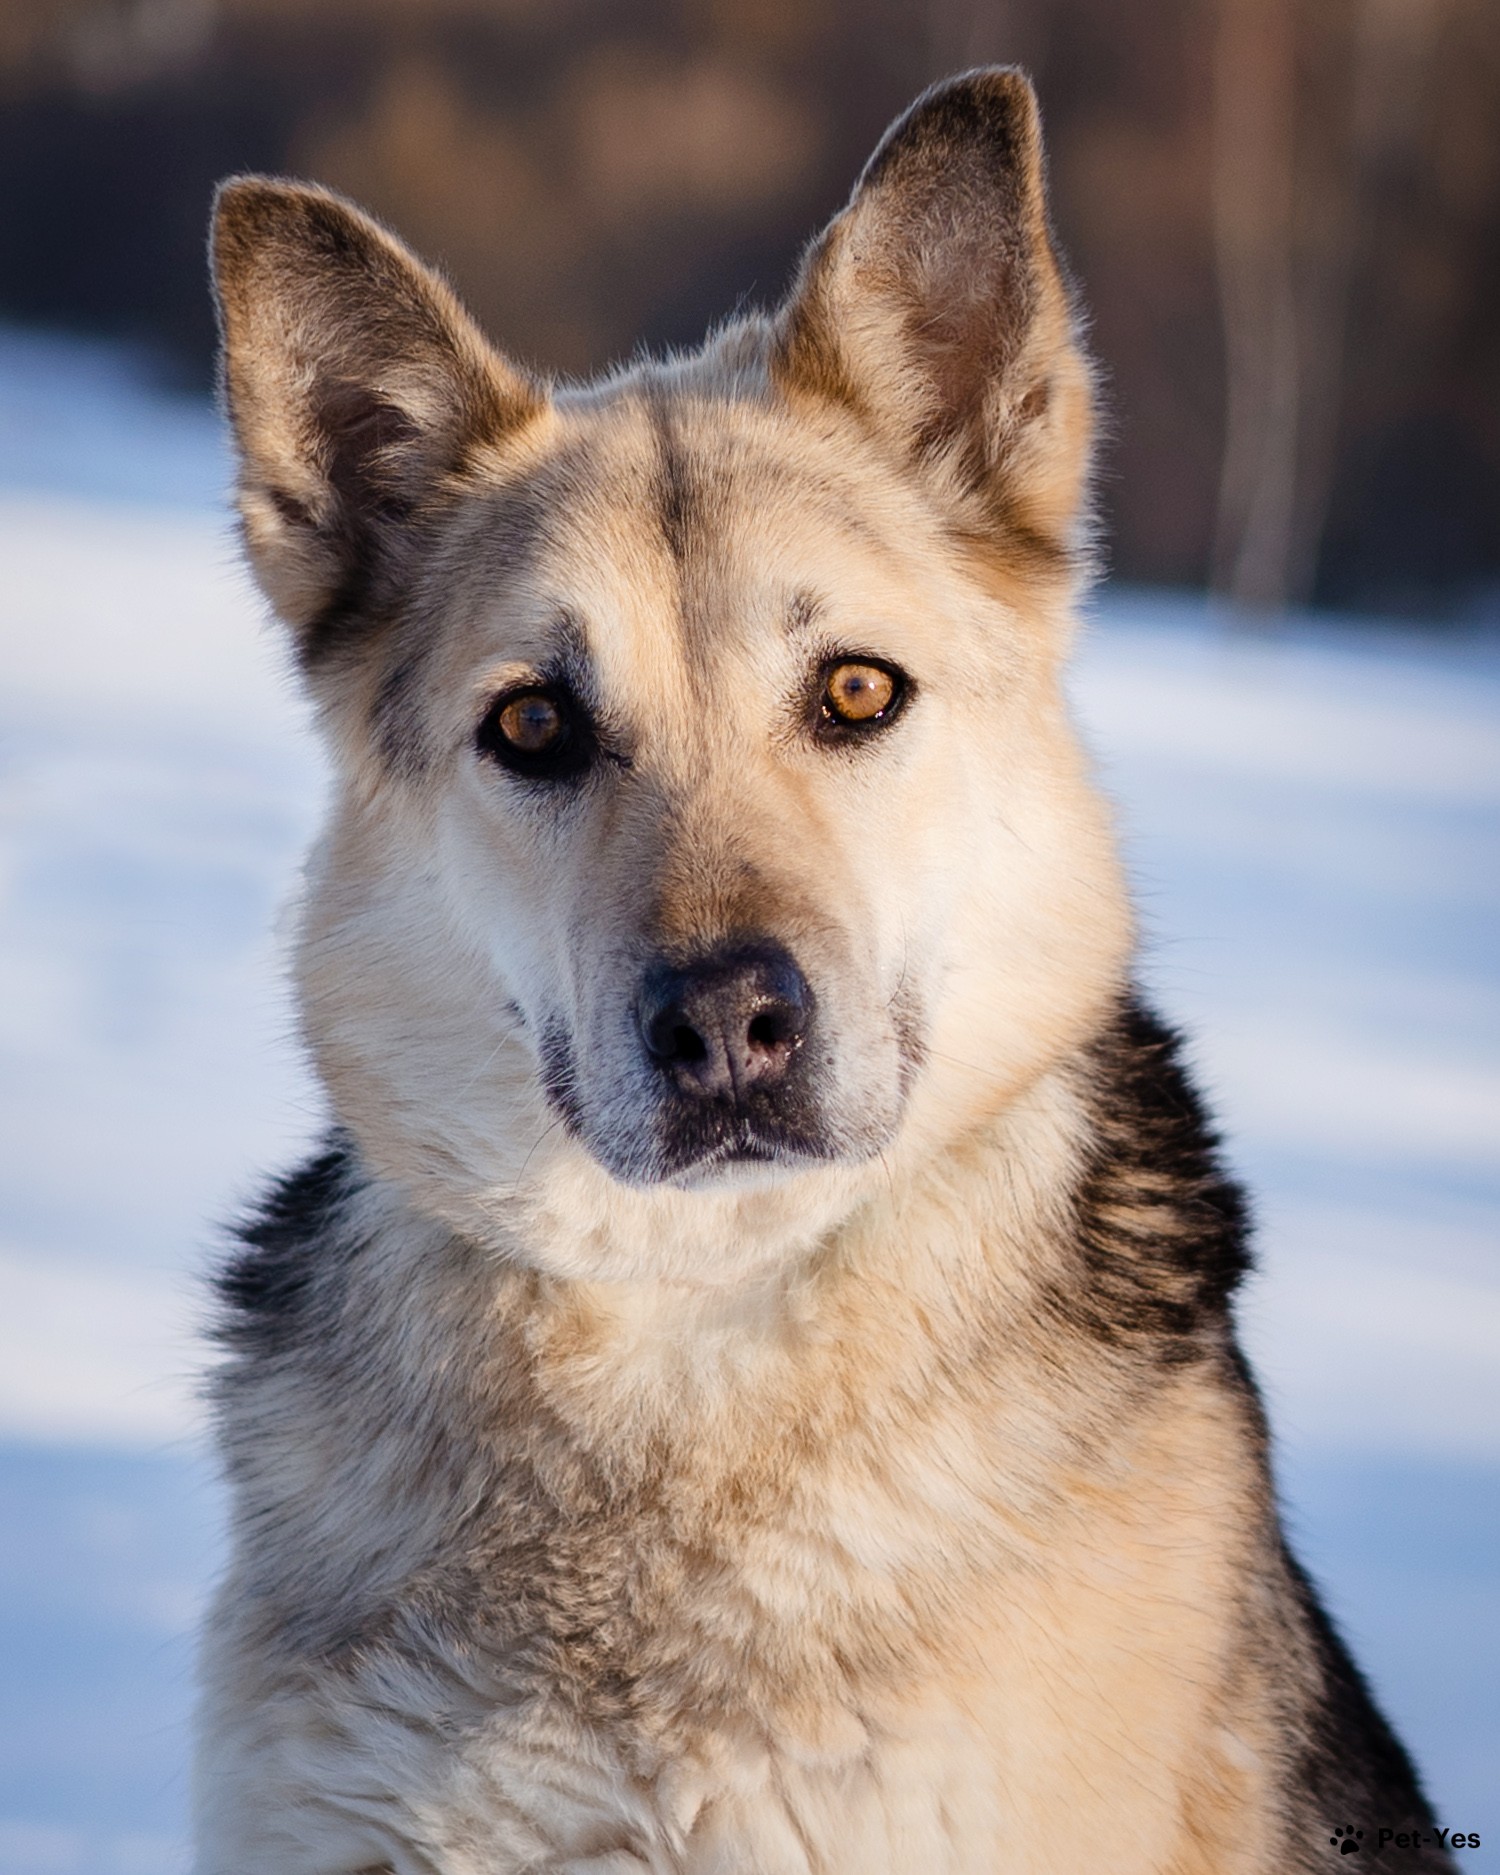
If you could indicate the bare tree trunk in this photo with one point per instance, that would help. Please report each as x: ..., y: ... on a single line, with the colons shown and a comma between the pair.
x: 1253, y: 176
x: 1289, y: 224
x: 1390, y: 40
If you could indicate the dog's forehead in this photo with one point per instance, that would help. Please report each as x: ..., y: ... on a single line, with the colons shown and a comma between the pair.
x: 689, y: 525
x: 690, y: 467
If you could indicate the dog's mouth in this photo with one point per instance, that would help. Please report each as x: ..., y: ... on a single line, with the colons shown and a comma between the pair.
x: 744, y: 1152
x: 688, y: 1145
x: 695, y: 1146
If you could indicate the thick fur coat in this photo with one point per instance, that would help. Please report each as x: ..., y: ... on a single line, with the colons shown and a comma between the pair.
x: 750, y: 1385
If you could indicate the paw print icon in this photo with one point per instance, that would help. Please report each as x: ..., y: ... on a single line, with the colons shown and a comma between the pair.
x: 1347, y: 1838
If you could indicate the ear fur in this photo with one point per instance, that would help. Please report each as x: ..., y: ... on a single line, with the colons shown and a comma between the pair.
x: 934, y: 306
x: 356, y: 386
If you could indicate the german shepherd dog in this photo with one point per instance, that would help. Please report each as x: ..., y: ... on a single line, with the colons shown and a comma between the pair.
x: 749, y: 1384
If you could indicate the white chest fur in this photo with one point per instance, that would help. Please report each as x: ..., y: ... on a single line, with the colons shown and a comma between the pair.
x: 1085, y: 1708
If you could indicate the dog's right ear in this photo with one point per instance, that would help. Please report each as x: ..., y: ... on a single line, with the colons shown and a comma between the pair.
x: 357, y: 387
x: 934, y: 308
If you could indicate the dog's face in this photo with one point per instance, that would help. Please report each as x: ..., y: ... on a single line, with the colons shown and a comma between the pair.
x: 709, y: 831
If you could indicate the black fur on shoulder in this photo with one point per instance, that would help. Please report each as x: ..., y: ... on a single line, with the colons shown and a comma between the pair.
x: 1354, y: 1768
x: 1162, y: 1228
x: 266, y: 1286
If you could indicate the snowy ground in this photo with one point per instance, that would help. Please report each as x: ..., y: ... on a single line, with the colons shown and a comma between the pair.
x: 1312, y: 819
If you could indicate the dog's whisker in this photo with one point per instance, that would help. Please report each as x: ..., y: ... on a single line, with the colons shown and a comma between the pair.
x: 536, y: 1145
x: 957, y: 1061
x: 489, y: 1061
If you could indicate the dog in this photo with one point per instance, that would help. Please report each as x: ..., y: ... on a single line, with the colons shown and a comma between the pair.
x: 749, y: 1384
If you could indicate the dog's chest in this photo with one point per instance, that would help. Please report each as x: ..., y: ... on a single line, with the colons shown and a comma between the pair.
x: 953, y: 1785
x: 786, y: 1727
x: 925, y: 1797
x: 889, y: 1656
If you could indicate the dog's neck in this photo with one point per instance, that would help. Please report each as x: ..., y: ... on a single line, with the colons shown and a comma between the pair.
x: 894, y: 1300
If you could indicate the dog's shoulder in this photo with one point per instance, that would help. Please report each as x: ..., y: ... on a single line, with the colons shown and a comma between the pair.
x: 301, y: 1232
x: 1161, y: 1225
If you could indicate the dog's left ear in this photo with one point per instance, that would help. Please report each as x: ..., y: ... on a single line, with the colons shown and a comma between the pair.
x: 934, y: 306
x: 358, y: 388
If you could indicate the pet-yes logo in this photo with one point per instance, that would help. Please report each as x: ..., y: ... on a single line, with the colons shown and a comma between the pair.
x: 1351, y: 1841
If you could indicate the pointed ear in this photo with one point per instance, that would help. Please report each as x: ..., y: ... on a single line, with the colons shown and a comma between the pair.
x: 357, y: 387
x: 934, y: 307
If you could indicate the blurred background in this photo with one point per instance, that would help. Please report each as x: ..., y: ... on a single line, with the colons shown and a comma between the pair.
x: 1284, y: 221
x: 1285, y: 215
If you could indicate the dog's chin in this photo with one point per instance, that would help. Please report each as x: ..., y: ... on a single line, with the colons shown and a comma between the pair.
x: 724, y: 1219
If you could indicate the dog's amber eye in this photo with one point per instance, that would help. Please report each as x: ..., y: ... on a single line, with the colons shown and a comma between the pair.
x: 531, y: 723
x: 857, y: 694
x: 541, y: 733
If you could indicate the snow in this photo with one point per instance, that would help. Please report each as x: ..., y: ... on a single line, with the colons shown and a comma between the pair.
x: 1311, y: 817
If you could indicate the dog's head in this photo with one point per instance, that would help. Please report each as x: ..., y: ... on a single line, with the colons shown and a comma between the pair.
x: 708, y: 824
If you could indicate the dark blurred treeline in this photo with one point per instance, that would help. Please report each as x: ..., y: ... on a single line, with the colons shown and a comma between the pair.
x: 1284, y: 215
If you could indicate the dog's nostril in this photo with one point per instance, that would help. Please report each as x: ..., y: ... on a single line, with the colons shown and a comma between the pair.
x: 687, y: 1044
x: 766, y: 1032
x: 671, y: 1039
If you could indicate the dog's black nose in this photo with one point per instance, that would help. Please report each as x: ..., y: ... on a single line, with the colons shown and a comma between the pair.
x: 729, y: 1022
